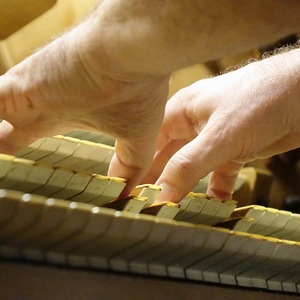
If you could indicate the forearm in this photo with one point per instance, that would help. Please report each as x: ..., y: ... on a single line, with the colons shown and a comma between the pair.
x: 278, y: 82
x: 160, y: 36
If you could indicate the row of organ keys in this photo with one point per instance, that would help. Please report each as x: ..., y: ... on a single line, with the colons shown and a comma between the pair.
x: 57, y: 209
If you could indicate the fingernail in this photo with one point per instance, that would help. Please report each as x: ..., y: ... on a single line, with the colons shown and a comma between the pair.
x: 167, y: 193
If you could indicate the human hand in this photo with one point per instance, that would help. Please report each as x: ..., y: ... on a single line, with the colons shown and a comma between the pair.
x: 56, y: 90
x: 216, y: 125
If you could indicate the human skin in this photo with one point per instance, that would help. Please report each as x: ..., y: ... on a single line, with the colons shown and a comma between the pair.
x: 110, y: 73
x: 218, y: 124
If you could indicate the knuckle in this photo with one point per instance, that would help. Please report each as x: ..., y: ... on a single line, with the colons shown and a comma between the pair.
x: 182, y: 163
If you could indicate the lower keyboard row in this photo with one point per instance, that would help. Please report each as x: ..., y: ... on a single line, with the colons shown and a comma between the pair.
x: 79, y: 234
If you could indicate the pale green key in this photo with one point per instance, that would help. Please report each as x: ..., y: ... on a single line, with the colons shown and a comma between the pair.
x: 75, y: 186
x: 18, y: 172
x: 37, y: 177
x: 6, y: 162
x: 32, y: 147
x: 93, y: 189
x: 47, y: 147
x: 112, y: 191
x: 57, y: 181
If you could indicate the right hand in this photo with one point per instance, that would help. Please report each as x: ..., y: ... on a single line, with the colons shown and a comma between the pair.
x: 218, y: 124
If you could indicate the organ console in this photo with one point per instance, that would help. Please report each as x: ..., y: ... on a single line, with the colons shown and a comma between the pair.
x: 65, y: 235
x: 57, y: 208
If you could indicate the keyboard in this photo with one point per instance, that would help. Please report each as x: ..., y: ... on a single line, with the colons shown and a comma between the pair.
x: 54, y: 208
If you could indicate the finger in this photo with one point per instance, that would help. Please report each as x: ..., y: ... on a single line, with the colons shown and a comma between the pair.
x: 132, y: 161
x: 223, y: 179
x: 188, y: 165
x: 161, y: 158
x: 11, y: 139
x: 175, y: 132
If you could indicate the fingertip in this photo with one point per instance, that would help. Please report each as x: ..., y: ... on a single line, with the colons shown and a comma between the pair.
x: 223, y: 179
x: 132, y: 174
x: 11, y: 139
x: 168, y: 193
x: 180, y: 175
x: 219, y: 194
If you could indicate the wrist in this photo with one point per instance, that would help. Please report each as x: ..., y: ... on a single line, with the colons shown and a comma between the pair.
x: 278, y: 80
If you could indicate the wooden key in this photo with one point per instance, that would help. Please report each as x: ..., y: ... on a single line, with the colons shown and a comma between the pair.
x: 221, y: 260
x: 265, y: 250
x: 75, y: 221
x: 97, y: 225
x: 75, y: 186
x: 65, y: 149
x: 130, y: 204
x: 287, y: 280
x: 109, y: 242
x: 254, y: 212
x: 96, y: 158
x: 51, y: 214
x: 50, y: 219
x: 278, y: 262
x: 112, y: 191
x: 276, y: 223
x: 167, y: 210
x: 224, y: 211
x: 32, y: 147
x: 6, y: 162
x: 41, y: 150
x: 189, y: 253
x: 24, y: 217
x: 18, y: 172
x: 209, y: 267
x: 239, y: 224
x: 143, y: 253
x: 149, y: 191
x: 268, y: 216
x: 38, y: 176
x: 82, y: 151
x: 209, y: 210
x: 292, y: 283
x: 102, y: 167
x: 9, y: 201
x: 57, y: 182
x: 190, y: 206
x: 290, y: 229
x: 213, y: 244
x: 173, y: 249
x: 242, y: 260
x: 93, y: 189
x: 72, y: 222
